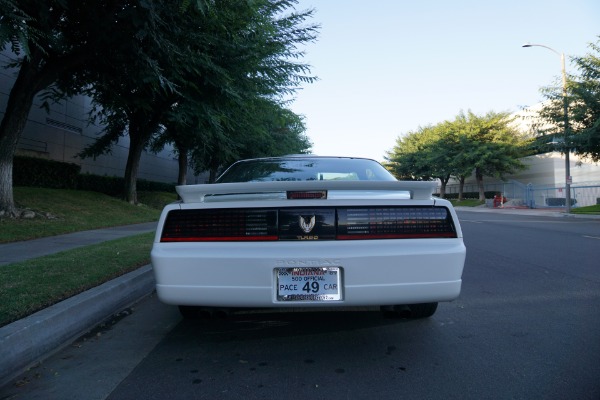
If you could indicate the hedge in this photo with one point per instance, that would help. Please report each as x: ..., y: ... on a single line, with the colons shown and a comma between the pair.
x: 40, y: 172
x: 469, y: 195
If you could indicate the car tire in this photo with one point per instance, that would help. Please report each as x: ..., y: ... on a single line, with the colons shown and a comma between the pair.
x: 189, y: 312
x: 410, y: 311
x: 422, y: 310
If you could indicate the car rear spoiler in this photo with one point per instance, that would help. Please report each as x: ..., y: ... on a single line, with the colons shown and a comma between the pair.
x: 195, y: 193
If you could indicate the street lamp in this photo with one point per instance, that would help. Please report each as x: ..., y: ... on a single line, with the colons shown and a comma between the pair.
x: 566, y: 119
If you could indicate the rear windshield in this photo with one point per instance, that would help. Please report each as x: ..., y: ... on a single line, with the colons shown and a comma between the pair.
x: 305, y: 169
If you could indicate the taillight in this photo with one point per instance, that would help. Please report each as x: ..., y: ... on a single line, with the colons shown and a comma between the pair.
x: 220, y: 225
x: 394, y: 223
x: 314, y: 224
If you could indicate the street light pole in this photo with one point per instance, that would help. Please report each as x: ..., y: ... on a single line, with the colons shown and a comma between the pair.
x: 566, y: 123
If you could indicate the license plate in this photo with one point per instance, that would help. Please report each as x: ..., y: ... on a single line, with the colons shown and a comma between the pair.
x: 309, y: 284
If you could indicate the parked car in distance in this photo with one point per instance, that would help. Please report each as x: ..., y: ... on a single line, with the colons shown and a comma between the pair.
x: 308, y: 231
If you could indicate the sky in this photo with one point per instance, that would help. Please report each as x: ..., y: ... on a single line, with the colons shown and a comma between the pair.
x: 387, y: 67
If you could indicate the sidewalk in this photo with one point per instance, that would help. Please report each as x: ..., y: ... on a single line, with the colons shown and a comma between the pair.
x: 26, y: 250
x: 547, y: 212
x: 28, y: 341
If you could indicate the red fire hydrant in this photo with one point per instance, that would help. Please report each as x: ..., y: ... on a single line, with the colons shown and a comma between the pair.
x: 499, y: 200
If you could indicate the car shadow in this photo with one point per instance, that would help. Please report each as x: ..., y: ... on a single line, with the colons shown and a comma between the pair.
x: 254, y: 324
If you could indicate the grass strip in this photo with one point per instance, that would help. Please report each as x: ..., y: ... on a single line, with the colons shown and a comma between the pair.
x: 593, y: 210
x: 64, y: 211
x: 29, y: 286
x: 467, y: 203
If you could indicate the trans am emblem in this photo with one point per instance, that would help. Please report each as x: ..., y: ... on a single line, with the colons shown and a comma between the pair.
x: 307, y: 223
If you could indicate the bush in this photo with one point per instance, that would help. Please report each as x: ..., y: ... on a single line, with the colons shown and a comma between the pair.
x: 468, y: 195
x: 40, y: 172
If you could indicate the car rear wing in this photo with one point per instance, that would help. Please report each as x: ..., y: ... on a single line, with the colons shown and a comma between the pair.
x: 196, y: 193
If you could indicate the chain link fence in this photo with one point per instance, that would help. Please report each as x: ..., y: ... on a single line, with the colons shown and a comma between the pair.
x: 536, y: 196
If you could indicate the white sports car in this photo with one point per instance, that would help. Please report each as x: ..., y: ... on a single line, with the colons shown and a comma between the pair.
x: 308, y: 231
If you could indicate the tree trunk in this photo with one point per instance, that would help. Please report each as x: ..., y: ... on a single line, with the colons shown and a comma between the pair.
x: 34, y: 76
x: 479, y: 178
x: 136, y: 147
x: 13, y: 123
x: 444, y: 182
x: 183, y: 165
x: 461, y: 188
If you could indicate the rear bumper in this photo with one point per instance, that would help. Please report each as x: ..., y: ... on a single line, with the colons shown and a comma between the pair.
x: 375, y: 272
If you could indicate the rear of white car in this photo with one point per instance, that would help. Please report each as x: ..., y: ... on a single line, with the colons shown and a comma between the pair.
x: 309, y: 244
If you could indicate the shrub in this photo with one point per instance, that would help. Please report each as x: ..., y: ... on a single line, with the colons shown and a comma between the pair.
x: 40, y: 172
x: 468, y: 195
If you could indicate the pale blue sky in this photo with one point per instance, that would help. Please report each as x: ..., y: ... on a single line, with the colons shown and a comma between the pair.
x: 386, y: 67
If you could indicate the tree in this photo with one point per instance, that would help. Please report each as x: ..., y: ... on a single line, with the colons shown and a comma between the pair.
x: 216, y: 124
x: 584, y: 107
x: 484, y: 144
x: 57, y: 43
x: 405, y: 161
x: 132, y: 96
x: 493, y: 147
x: 425, y: 154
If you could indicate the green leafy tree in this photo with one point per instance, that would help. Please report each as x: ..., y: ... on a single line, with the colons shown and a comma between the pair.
x: 583, y: 129
x: 56, y: 47
x: 236, y: 112
x: 133, y: 96
x: 484, y: 144
x: 405, y: 160
x: 424, y: 155
x: 493, y: 147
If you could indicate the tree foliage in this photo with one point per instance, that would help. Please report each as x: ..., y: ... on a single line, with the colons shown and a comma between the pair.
x: 485, y: 145
x: 583, y: 97
x: 186, y: 67
x: 15, y: 28
x: 255, y: 48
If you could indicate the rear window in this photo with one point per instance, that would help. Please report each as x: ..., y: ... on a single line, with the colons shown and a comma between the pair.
x: 305, y: 169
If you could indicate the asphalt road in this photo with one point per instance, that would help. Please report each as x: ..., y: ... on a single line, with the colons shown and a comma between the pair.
x: 526, y: 326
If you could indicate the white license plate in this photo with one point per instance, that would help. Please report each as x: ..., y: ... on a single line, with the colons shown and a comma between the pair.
x: 309, y: 284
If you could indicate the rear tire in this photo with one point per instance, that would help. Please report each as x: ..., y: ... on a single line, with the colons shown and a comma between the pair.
x: 189, y: 312
x: 410, y: 311
x: 422, y: 310
x: 199, y: 312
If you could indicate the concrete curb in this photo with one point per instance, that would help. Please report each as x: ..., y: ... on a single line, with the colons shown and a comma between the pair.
x: 28, y: 341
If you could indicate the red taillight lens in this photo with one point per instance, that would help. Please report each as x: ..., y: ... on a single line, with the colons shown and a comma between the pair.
x: 220, y: 225
x: 311, y: 195
x: 394, y: 223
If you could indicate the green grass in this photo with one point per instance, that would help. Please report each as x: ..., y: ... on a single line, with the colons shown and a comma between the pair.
x: 73, y: 211
x: 587, y: 210
x: 30, y: 286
